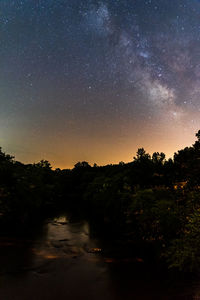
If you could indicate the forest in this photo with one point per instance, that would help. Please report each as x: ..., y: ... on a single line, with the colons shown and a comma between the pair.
x: 151, y: 202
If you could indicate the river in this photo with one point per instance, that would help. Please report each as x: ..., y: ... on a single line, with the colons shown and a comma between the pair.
x: 64, y: 260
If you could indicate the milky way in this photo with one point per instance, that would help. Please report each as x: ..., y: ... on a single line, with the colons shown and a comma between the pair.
x: 95, y: 80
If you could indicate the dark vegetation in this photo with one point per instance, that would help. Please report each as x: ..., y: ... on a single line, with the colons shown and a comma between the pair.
x: 151, y: 202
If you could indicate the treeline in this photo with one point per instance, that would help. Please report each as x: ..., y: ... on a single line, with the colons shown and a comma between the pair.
x: 152, y: 202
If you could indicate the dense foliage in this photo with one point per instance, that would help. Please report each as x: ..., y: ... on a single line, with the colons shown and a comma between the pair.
x: 151, y: 201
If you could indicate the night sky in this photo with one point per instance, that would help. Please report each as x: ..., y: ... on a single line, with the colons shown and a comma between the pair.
x: 96, y: 80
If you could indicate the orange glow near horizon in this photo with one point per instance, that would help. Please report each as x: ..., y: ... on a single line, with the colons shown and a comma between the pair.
x: 112, y: 148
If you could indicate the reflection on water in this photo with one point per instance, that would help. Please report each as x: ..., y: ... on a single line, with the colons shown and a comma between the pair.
x: 64, y: 261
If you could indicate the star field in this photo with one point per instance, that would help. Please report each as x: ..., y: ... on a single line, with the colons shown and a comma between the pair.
x: 95, y: 80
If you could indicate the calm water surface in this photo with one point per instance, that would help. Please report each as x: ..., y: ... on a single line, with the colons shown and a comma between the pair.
x: 64, y: 261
